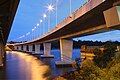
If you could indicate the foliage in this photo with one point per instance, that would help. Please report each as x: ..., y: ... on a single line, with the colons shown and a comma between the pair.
x: 113, y: 68
x: 89, y: 71
x: 102, y: 58
x: 105, y: 66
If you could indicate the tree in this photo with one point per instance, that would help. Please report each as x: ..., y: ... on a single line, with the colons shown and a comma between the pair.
x: 102, y: 58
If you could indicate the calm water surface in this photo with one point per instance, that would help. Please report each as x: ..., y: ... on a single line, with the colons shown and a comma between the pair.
x: 22, y: 66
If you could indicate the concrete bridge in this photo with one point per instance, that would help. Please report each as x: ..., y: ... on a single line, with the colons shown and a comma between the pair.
x: 95, y: 16
x: 7, y: 12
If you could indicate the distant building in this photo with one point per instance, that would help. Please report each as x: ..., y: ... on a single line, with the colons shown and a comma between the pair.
x: 87, y: 51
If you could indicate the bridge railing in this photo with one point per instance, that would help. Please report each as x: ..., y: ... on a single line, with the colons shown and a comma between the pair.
x: 79, y: 12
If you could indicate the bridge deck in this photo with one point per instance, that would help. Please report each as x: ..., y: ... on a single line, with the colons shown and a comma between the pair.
x: 87, y: 20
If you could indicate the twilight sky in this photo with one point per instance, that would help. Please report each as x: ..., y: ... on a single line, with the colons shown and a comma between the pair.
x: 30, y: 12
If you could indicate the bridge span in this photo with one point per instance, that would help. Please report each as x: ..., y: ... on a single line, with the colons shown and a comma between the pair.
x: 94, y: 17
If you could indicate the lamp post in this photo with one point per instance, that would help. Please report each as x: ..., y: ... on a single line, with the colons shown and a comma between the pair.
x: 50, y: 8
x: 27, y: 36
x: 44, y: 16
x: 41, y: 25
x: 70, y: 6
x: 35, y: 32
x: 56, y: 12
x: 32, y: 35
x: 38, y: 30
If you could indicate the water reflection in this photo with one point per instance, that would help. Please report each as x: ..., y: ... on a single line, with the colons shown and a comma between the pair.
x: 21, y: 66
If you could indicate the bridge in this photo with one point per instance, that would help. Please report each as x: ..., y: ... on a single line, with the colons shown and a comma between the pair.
x: 95, y: 16
x: 7, y: 12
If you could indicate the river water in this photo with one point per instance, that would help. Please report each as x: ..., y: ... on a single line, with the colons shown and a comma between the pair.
x: 22, y: 66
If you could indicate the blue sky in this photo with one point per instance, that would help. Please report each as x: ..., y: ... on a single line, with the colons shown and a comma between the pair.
x: 30, y: 12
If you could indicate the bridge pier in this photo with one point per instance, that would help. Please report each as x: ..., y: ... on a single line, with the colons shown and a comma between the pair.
x: 19, y: 48
x: 30, y: 48
x: 66, y: 47
x: 15, y: 47
x: 2, y: 52
x: 24, y: 48
x: 47, y: 50
x: 37, y: 48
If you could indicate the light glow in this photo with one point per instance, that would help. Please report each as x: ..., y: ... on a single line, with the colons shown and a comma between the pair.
x: 32, y: 29
x: 37, y: 24
x: 41, y: 21
x: 50, y: 7
x: 44, y: 15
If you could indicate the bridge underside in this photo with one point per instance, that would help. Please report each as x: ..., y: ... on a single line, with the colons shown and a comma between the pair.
x: 93, y: 22
x: 96, y: 20
x: 7, y: 12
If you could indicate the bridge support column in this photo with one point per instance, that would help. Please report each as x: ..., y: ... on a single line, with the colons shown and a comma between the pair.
x: 37, y: 49
x: 19, y: 48
x: 2, y: 52
x: 24, y: 48
x: 30, y: 48
x: 15, y: 47
x: 66, y: 47
x: 47, y: 49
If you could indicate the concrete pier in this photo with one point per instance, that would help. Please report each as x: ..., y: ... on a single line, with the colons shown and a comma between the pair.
x: 66, y: 47
x: 15, y: 48
x: 37, y: 49
x: 30, y: 48
x: 47, y: 49
x: 20, y: 48
x: 24, y: 48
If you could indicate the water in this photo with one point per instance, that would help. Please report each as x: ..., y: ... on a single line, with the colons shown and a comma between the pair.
x: 57, y: 71
x: 21, y: 66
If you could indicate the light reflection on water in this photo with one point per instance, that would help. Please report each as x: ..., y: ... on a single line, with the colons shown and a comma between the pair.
x: 21, y: 66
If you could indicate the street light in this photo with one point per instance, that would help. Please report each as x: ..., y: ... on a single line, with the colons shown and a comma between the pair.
x: 38, y: 30
x: 35, y: 32
x: 44, y: 16
x: 50, y: 8
x: 56, y: 11
x: 37, y: 25
x: 27, y: 35
x: 32, y: 35
x: 70, y: 7
x: 41, y: 26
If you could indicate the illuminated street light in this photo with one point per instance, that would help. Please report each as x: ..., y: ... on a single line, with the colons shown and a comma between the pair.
x: 27, y: 35
x: 50, y: 8
x: 35, y: 27
x: 38, y: 25
x: 41, y: 21
x: 32, y: 37
x: 44, y: 16
x: 56, y: 11
x: 34, y: 32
